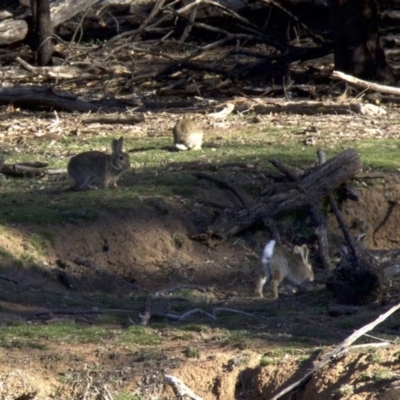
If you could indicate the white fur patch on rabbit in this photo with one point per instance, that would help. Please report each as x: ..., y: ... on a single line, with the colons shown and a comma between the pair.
x: 187, y: 135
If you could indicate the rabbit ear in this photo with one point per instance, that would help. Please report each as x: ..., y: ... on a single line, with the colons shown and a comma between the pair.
x: 302, y: 251
x: 116, y: 145
x: 306, y: 253
x: 298, y: 250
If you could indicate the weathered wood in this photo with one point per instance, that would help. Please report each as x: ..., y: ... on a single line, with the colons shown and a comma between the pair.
x: 12, y: 31
x: 41, y: 34
x: 287, y: 197
x: 365, y: 84
x: 63, y: 10
x: 39, y: 97
x: 23, y: 169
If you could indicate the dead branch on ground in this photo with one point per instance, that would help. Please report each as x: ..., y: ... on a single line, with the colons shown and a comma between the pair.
x: 50, y: 98
x: 180, y: 389
x: 148, y: 313
x: 338, y: 352
x: 365, y: 84
x: 283, y: 198
x: 23, y: 169
x: 63, y: 71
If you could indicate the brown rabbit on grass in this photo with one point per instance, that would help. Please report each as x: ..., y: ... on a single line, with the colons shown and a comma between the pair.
x: 93, y: 168
x: 187, y: 135
x: 282, y: 266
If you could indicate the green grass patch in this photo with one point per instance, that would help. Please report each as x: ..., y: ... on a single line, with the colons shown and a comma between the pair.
x: 140, y: 335
x: 38, y: 242
x: 380, y: 375
x: 157, y: 171
x: 382, y: 154
x: 192, y: 352
x: 267, y: 361
x: 19, y: 335
x: 343, y: 391
x: 195, y: 328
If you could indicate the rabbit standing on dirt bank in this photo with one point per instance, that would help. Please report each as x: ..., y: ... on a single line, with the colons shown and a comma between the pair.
x: 187, y: 135
x: 93, y: 168
x: 282, y: 266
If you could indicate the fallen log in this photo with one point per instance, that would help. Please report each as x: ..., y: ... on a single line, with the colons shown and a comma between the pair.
x: 23, y: 169
x: 43, y: 97
x: 284, y: 198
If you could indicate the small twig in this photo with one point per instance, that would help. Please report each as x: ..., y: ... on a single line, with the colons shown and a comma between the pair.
x: 228, y: 34
x: 188, y: 27
x: 147, y: 314
x: 180, y: 317
x: 79, y: 27
x: 110, y: 397
x: 153, y: 13
x: 376, y: 338
x: 173, y: 85
x: 61, y: 71
x: 88, y: 386
x: 232, y: 310
x: 367, y: 345
x: 285, y: 170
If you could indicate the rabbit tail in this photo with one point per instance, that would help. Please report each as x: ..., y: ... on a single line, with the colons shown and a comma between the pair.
x: 180, y: 146
x: 268, y: 253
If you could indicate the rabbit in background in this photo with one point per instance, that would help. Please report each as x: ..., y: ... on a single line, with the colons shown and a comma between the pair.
x: 187, y: 135
x: 93, y: 168
x: 282, y: 266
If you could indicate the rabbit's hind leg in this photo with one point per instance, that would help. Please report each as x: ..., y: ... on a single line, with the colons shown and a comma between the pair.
x: 276, y: 280
x: 261, y: 281
x: 85, y: 185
